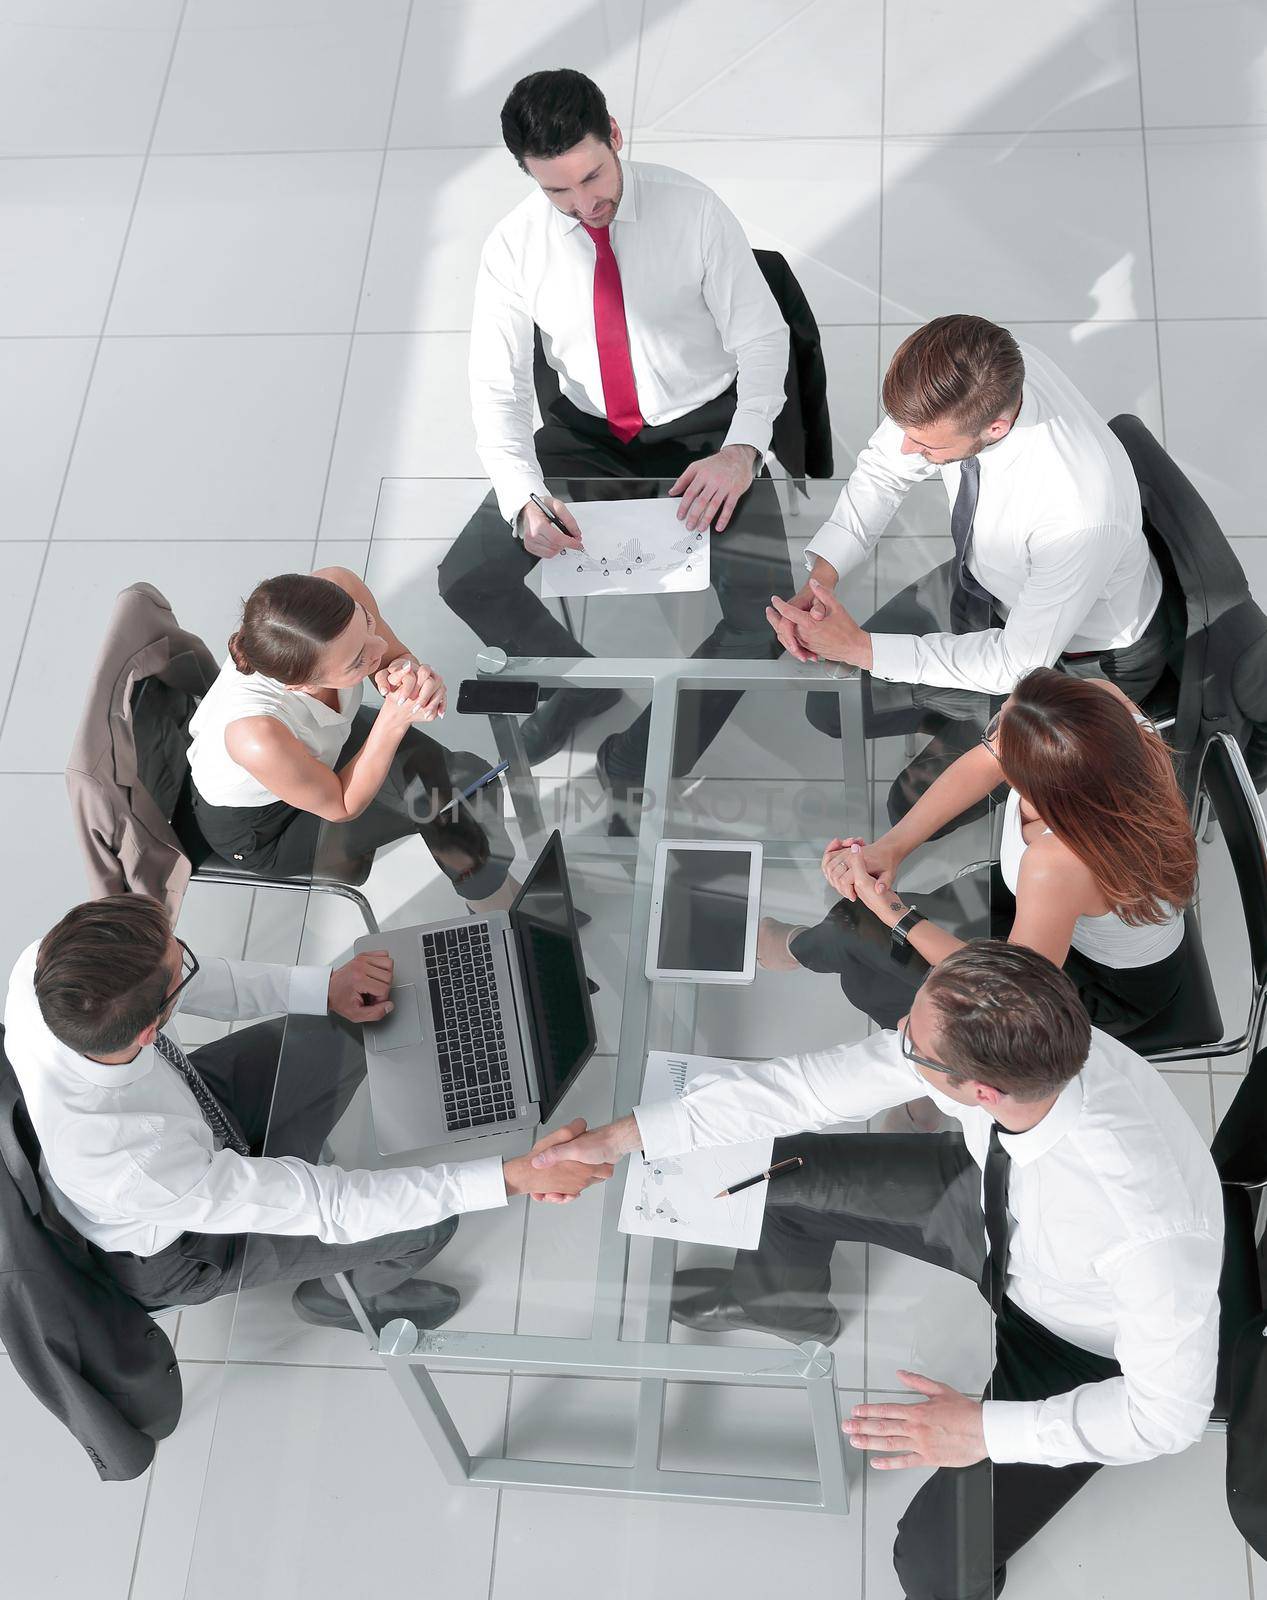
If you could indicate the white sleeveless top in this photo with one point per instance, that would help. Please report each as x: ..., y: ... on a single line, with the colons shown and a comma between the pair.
x: 234, y: 695
x: 1105, y: 939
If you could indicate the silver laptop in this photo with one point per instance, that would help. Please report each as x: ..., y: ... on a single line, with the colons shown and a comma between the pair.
x: 491, y: 1022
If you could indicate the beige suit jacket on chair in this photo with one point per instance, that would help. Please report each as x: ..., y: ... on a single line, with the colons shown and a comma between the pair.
x: 124, y: 831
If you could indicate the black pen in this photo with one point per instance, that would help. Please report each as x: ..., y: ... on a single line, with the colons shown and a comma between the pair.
x: 549, y: 515
x: 776, y: 1171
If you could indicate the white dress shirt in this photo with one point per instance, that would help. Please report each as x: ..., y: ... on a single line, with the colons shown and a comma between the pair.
x: 697, y: 309
x: 1115, y: 1217
x: 1057, y: 539
x: 131, y: 1162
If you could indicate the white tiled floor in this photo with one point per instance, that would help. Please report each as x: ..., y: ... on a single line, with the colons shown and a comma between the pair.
x: 235, y: 283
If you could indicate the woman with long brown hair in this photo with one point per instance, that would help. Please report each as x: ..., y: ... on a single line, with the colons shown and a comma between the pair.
x: 1096, y: 862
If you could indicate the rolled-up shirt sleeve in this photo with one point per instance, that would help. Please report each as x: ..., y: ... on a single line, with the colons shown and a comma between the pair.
x: 1068, y: 568
x: 1166, y: 1300
x: 750, y: 324
x: 500, y: 372
x: 789, y: 1094
x: 869, y: 500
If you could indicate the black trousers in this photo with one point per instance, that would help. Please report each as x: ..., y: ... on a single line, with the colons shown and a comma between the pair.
x: 285, y: 1082
x: 469, y: 843
x: 852, y: 942
x: 919, y: 1194
x: 935, y: 603
x: 482, y: 576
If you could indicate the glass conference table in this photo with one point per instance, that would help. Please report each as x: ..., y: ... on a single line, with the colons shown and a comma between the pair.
x: 557, y: 1298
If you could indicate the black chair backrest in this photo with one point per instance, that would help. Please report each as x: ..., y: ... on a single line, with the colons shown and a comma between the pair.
x: 160, y: 729
x: 1226, y: 780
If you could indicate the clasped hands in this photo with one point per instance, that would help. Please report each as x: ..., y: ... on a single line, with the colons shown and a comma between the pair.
x: 414, y: 687
x: 865, y: 872
x: 814, y: 626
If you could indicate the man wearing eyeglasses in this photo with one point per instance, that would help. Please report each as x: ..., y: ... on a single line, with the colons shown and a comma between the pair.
x: 191, y: 1176
x: 1078, y: 1196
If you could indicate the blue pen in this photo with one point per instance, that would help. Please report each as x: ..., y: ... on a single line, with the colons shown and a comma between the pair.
x: 478, y: 784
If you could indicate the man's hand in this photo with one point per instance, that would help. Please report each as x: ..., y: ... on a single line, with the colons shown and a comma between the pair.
x: 541, y: 537
x: 359, y: 989
x: 570, y: 1173
x: 804, y: 600
x: 824, y: 629
x: 712, y: 487
x: 945, y: 1430
x: 602, y: 1144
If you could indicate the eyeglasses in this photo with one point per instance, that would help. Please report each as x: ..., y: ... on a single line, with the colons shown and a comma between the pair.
x: 911, y: 1054
x: 991, y: 733
x: 189, y: 969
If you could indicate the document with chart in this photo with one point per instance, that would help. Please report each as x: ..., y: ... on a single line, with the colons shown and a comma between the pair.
x: 675, y: 1198
x: 631, y: 547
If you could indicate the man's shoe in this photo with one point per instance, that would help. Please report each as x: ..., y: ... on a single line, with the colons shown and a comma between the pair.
x: 702, y: 1300
x: 425, y: 1304
x: 552, y: 724
x: 618, y: 790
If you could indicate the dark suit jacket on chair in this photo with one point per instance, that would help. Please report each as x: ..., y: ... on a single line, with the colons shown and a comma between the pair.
x: 87, y: 1352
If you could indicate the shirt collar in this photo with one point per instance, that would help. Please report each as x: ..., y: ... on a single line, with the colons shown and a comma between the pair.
x: 1013, y: 441
x: 1045, y: 1135
x: 117, y: 1076
x: 626, y: 211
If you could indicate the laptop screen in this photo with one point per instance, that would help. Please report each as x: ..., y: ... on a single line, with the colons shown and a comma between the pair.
x: 559, y: 1011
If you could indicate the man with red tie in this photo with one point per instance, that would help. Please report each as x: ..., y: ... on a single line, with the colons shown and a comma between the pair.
x: 670, y: 354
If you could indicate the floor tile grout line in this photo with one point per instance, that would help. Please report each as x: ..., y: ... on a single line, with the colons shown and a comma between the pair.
x: 360, y: 332
x: 647, y: 137
x: 360, y: 288
x: 92, y: 368
x: 70, y: 456
x: 1148, y: 220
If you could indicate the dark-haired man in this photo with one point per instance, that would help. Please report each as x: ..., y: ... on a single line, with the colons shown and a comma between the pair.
x: 671, y: 357
x: 1050, y: 566
x: 1077, y: 1194
x: 194, y: 1175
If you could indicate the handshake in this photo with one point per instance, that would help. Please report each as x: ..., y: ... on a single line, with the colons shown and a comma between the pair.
x: 563, y: 1163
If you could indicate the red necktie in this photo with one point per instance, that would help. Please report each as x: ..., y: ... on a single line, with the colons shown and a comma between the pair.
x: 615, y: 365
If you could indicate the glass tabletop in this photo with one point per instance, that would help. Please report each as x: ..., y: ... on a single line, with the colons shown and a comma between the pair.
x: 564, y: 1318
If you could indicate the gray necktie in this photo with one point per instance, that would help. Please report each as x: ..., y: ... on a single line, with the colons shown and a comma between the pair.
x: 965, y: 509
x: 215, y: 1114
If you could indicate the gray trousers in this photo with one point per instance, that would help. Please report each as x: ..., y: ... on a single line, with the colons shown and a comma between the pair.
x: 285, y: 1082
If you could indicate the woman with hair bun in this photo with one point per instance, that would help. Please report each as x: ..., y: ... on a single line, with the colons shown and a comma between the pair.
x: 291, y: 774
x: 1096, y: 863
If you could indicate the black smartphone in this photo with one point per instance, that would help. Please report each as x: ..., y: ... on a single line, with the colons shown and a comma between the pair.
x: 480, y: 696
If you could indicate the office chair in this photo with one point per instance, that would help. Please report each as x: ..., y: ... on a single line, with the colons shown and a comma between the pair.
x: 1191, y: 1026
x: 1240, y: 1393
x: 1222, y: 681
x: 128, y: 771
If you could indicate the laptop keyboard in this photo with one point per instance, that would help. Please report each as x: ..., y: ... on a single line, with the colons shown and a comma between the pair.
x: 474, y: 1074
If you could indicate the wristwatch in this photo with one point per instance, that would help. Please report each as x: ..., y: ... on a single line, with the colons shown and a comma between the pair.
x: 900, y: 934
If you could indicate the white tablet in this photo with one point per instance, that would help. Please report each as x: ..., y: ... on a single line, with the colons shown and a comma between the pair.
x: 705, y: 905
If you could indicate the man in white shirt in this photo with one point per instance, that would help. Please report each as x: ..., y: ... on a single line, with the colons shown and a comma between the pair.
x: 1077, y: 1194
x: 191, y: 1176
x: 667, y: 357
x: 1051, y: 565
